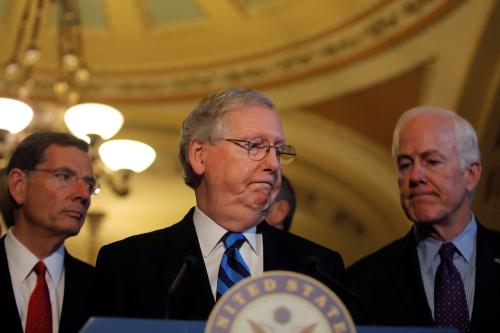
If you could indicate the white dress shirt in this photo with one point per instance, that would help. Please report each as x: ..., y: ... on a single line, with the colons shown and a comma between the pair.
x: 21, y: 262
x: 209, y: 235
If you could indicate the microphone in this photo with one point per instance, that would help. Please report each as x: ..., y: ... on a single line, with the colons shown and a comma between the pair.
x: 362, y: 315
x: 188, y: 262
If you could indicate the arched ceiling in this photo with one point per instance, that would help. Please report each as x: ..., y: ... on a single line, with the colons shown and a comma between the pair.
x: 146, y: 50
x: 340, y: 72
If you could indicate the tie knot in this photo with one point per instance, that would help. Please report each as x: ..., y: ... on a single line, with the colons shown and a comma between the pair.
x: 233, y: 239
x: 40, y: 268
x: 447, y: 250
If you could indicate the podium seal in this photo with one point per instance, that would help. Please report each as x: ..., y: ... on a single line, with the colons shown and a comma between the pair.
x: 280, y: 301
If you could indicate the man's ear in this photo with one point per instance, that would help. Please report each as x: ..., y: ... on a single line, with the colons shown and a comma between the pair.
x: 16, y: 184
x: 197, y: 156
x: 473, y: 175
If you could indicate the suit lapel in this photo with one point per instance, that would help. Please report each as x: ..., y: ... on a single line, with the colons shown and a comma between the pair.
x: 75, y: 290
x: 9, y: 316
x: 194, y: 299
x: 407, y: 281
x: 274, y: 247
x: 487, y: 285
x: 67, y: 312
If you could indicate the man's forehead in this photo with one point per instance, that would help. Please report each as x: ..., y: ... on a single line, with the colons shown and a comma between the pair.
x: 429, y: 123
x: 422, y: 153
x: 254, y: 121
x: 66, y: 156
x: 55, y: 150
x: 426, y: 144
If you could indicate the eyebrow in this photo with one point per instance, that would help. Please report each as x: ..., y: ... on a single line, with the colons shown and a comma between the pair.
x: 423, y: 154
x: 68, y: 169
x: 427, y: 153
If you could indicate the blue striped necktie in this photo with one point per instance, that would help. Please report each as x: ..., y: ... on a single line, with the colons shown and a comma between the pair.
x: 232, y: 266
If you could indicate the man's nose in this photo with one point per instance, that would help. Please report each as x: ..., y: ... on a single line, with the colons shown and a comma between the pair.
x: 272, y: 160
x: 417, y: 174
x: 81, y: 189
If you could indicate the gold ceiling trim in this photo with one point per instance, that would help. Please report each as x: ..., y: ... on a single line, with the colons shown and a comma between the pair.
x: 383, y: 28
x: 255, y: 56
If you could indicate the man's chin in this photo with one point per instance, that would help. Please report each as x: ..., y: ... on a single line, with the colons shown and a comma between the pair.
x: 262, y: 201
x: 422, y: 213
x: 423, y: 217
x: 72, y: 227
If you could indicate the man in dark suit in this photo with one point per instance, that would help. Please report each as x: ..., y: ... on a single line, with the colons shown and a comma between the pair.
x: 42, y: 287
x: 231, y: 149
x: 447, y: 257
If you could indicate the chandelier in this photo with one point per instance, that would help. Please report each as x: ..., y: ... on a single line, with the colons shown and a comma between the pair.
x: 21, y: 113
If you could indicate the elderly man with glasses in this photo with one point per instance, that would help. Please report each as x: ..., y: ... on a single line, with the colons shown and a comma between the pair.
x: 232, y: 149
x: 49, y: 184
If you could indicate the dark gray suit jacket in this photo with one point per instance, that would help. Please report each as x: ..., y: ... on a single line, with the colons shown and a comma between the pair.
x: 75, y: 310
x: 389, y: 280
x: 134, y: 275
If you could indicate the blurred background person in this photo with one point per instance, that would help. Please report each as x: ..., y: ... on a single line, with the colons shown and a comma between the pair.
x: 283, y: 208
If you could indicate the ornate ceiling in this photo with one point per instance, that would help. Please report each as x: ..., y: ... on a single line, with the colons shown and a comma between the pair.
x: 142, y: 50
x: 341, y: 73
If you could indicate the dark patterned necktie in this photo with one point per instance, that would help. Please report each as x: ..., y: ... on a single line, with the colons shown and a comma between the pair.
x: 450, y: 304
x: 232, y: 266
x: 39, y: 318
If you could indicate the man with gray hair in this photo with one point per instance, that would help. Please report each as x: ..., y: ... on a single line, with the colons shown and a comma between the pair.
x: 231, y: 149
x: 446, y: 271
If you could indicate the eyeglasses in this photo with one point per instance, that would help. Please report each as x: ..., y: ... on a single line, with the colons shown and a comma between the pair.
x: 66, y: 177
x: 259, y: 148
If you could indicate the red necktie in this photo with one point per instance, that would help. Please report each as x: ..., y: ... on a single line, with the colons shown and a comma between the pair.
x: 39, y: 318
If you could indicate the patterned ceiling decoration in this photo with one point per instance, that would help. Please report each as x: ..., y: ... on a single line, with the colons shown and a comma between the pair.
x: 188, y: 49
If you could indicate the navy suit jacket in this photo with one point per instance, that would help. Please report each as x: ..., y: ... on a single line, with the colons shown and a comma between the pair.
x: 134, y: 275
x: 75, y: 310
x: 390, y: 282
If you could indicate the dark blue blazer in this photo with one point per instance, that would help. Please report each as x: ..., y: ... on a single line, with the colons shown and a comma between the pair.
x: 390, y: 282
x: 134, y: 275
x: 75, y: 310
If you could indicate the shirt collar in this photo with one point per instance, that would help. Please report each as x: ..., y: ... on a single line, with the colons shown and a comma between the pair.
x: 464, y: 242
x: 212, y: 233
x: 22, y: 260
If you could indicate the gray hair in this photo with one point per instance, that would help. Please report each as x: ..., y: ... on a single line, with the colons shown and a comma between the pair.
x: 465, y: 135
x: 205, y: 122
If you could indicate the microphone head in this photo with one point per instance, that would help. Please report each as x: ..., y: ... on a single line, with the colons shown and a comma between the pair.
x: 311, y: 263
x: 190, y: 260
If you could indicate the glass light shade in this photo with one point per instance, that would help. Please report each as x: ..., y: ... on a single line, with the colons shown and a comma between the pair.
x: 127, y: 154
x: 93, y: 118
x: 14, y: 115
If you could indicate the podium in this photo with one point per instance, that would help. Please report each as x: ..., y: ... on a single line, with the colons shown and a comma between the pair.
x: 129, y: 325
x: 275, y: 301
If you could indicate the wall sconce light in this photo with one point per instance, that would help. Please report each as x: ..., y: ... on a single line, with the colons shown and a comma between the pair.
x: 113, y: 160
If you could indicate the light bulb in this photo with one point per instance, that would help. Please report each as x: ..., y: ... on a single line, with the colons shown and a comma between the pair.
x: 93, y: 118
x: 127, y: 155
x: 14, y: 115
